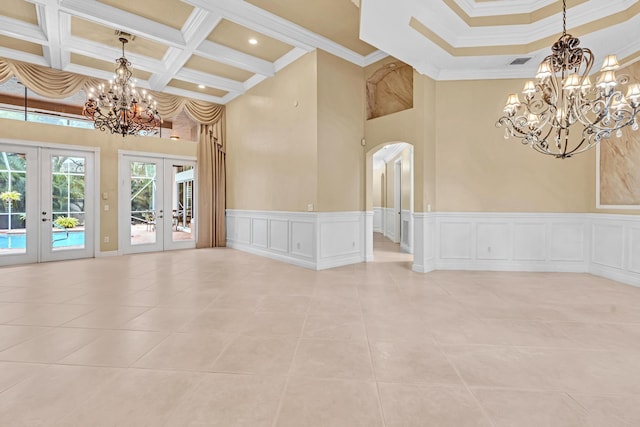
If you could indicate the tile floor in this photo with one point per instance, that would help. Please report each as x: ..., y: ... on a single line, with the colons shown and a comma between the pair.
x: 223, y: 338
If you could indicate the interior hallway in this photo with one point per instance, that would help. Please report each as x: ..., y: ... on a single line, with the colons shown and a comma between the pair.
x: 223, y: 338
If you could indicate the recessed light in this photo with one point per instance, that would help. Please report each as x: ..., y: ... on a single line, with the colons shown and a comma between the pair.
x: 253, y: 41
x: 201, y: 86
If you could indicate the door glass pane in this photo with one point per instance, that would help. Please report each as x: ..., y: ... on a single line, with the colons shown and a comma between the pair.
x: 67, y: 202
x: 182, y: 226
x: 13, y: 183
x: 143, y: 203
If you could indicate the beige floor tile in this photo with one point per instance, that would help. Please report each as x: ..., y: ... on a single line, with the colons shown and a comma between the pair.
x: 43, y: 399
x: 603, y: 336
x: 499, y: 332
x: 334, y: 327
x: 50, y: 347
x: 115, y: 348
x: 310, y: 402
x: 107, y: 317
x: 185, y: 351
x: 217, y: 321
x: 528, y: 344
x: 222, y: 400
x: 414, y: 363
x: 507, y: 408
x: 161, y: 319
x: 552, y: 369
x: 284, y: 304
x: 257, y: 355
x: 607, y: 411
x: 139, y: 398
x: 330, y: 304
x: 11, y: 335
x: 273, y: 324
x: 237, y: 301
x: 400, y: 327
x: 406, y: 405
x: 332, y: 359
x: 11, y: 373
x: 51, y: 314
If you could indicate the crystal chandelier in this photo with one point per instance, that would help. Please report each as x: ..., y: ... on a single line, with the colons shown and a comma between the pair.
x: 564, y: 95
x: 119, y: 107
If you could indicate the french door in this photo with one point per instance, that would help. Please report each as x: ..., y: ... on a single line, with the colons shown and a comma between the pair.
x: 47, y: 204
x: 157, y: 202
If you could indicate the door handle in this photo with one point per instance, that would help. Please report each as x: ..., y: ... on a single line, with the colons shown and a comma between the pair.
x: 45, y: 219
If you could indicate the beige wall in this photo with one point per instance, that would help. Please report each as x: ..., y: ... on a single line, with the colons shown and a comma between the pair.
x: 341, y: 112
x: 294, y: 139
x: 377, y: 193
x: 272, y: 142
x: 19, y: 131
x: 478, y: 170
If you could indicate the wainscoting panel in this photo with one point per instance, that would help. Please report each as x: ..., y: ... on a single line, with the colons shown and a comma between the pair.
x: 378, y: 220
x: 406, y: 224
x: 529, y: 242
x: 390, y: 224
x: 493, y: 241
x: 259, y: 233
x: 610, y: 248
x: 502, y: 241
x: 278, y: 233
x: 634, y: 250
x: 456, y: 239
x: 313, y: 240
x: 568, y: 240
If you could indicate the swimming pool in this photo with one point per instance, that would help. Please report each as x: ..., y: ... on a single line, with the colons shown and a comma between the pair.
x: 19, y: 241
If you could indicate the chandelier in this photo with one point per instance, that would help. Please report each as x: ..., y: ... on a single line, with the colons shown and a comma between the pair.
x: 119, y: 107
x: 563, y: 95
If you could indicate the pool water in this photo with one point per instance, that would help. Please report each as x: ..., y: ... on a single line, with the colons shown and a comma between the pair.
x: 19, y: 241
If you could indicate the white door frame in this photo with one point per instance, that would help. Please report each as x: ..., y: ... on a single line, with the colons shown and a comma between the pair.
x: 163, y: 236
x: 397, y: 200
x: 33, y: 209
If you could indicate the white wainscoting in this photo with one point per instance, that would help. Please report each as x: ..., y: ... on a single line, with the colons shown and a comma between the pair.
x: 378, y: 220
x: 406, y: 231
x: 390, y: 225
x: 315, y: 240
x: 604, y: 245
x: 615, y: 253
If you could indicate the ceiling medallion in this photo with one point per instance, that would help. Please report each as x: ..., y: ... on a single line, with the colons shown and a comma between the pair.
x: 563, y: 96
x: 119, y: 107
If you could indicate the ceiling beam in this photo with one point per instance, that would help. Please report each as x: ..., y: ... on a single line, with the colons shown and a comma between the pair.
x: 110, y: 16
x: 199, y: 25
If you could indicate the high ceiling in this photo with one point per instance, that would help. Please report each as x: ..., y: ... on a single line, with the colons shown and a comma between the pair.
x: 180, y: 45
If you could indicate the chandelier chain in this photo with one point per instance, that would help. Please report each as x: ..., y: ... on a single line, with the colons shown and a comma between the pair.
x: 564, y: 17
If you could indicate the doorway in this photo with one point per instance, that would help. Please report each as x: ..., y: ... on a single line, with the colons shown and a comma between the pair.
x: 47, y: 206
x: 157, y: 203
x: 392, y: 197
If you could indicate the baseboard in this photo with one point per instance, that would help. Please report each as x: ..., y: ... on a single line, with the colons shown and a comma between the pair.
x: 104, y: 254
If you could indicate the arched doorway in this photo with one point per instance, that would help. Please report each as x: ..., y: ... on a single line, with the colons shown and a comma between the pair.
x: 391, y: 194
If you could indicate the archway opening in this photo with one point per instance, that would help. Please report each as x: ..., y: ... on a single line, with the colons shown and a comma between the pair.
x: 392, y: 194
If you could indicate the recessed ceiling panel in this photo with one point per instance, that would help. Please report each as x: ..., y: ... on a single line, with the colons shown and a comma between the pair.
x: 20, y: 10
x: 168, y: 12
x: 193, y: 87
x: 212, y: 67
x: 20, y: 45
x: 105, y: 35
x: 98, y: 64
x: 237, y: 37
x: 337, y: 20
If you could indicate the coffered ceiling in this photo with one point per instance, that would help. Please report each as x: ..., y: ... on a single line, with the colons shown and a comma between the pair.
x: 478, y: 39
x: 201, y: 49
